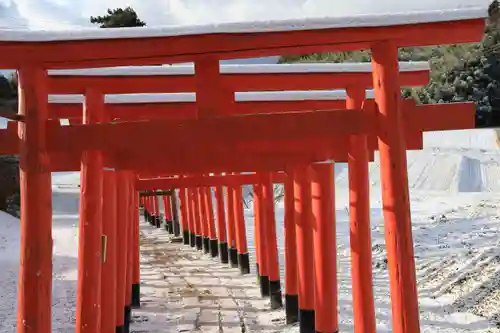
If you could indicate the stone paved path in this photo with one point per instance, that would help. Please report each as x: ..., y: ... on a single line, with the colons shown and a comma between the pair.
x: 183, y: 290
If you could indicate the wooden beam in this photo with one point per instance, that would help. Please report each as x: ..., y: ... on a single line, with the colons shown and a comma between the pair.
x: 185, y: 48
x: 150, y: 193
x: 416, y: 119
x: 205, y: 181
x: 210, y: 132
x: 134, y: 84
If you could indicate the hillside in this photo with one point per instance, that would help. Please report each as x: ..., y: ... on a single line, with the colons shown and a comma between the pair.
x: 466, y: 72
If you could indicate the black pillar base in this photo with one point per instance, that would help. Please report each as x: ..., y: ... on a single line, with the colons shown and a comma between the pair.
x: 233, y: 257
x: 136, y: 295
x: 244, y: 263
x: 257, y: 270
x: 214, y: 248
x: 206, y: 245
x: 306, y: 321
x: 151, y: 220
x: 276, y: 298
x: 185, y: 237
x: 264, y: 286
x: 192, y: 239
x: 291, y: 309
x: 177, y: 228
x: 224, y: 254
x: 158, y: 221
x: 127, y: 317
x: 119, y: 329
x: 199, y: 242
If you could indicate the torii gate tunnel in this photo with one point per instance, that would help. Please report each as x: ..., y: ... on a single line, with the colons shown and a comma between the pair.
x: 120, y: 149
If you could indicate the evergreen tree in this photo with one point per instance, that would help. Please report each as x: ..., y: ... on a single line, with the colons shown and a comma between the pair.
x: 476, y: 79
x: 6, y: 88
x: 118, y: 18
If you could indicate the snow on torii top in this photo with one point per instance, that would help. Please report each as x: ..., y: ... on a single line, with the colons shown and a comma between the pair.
x: 271, y: 15
x: 301, y: 95
x: 188, y: 69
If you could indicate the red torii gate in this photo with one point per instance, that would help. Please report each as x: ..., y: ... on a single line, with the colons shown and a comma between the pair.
x: 204, y: 181
x: 468, y: 112
x: 465, y: 114
x: 217, y: 181
x: 286, y: 137
x: 464, y: 119
x: 178, y: 80
x: 58, y: 54
x: 247, y: 77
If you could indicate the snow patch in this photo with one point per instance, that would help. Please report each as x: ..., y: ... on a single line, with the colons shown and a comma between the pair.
x: 65, y: 178
x: 469, y: 175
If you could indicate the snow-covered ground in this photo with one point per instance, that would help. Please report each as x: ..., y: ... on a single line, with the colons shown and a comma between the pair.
x: 9, y: 266
x: 65, y: 219
x: 455, y: 190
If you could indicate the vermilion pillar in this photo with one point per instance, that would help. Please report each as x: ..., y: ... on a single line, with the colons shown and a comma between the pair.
x: 221, y: 225
x: 212, y: 232
x: 152, y: 219
x: 204, y: 219
x: 198, y: 221
x: 146, y: 208
x: 305, y: 257
x: 231, y: 229
x: 108, y: 296
x: 136, y: 264
x: 325, y: 249
x: 176, y: 227
x: 291, y: 269
x: 35, y: 272
x: 241, y: 237
x: 167, y: 211
x: 129, y: 225
x: 156, y: 209
x: 184, y: 216
x: 88, y: 299
x: 395, y: 196
x: 256, y: 235
x: 191, y: 222
x: 271, y: 242
x: 359, y: 223
x: 261, y: 231
x: 122, y: 202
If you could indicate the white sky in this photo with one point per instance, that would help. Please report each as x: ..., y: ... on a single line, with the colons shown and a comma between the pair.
x: 63, y: 14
